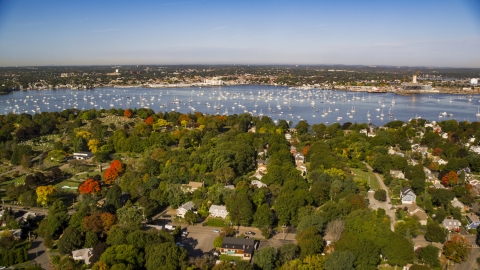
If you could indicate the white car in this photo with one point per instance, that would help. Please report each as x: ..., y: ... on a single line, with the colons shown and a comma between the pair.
x: 180, y: 244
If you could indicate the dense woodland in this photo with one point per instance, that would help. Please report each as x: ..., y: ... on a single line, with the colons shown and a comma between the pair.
x: 152, y: 154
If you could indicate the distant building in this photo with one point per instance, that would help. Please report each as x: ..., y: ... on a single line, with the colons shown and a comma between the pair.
x: 239, y: 247
x: 82, y: 155
x: 182, y: 210
x: 218, y: 211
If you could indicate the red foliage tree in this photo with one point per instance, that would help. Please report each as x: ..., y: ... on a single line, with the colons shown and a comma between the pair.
x: 450, y: 179
x: 305, y: 150
x: 437, y: 152
x: 108, y: 220
x: 115, y: 170
x: 128, y: 113
x: 92, y: 223
x: 90, y: 186
x: 150, y: 120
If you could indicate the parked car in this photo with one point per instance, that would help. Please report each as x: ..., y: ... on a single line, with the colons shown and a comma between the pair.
x: 250, y: 233
x: 180, y: 244
x: 185, y: 233
x: 216, y: 231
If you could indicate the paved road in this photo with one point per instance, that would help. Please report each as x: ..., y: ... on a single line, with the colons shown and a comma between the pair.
x: 38, y: 253
x: 385, y: 205
x: 36, y: 210
x: 471, y: 262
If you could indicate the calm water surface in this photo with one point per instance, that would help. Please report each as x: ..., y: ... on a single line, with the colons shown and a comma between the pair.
x: 315, y: 106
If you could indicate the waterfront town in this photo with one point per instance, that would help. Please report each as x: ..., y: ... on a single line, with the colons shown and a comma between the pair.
x: 372, y: 79
x: 138, y: 189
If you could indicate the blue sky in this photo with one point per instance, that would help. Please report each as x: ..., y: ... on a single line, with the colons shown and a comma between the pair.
x: 383, y: 32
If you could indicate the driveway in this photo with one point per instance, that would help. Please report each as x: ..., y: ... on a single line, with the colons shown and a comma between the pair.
x: 387, y: 205
x: 38, y: 253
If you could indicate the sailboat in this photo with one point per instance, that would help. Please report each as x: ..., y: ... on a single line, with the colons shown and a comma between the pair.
x: 478, y: 114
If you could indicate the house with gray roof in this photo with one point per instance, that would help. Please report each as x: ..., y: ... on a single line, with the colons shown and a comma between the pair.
x: 407, y: 196
x: 397, y: 174
x: 182, y: 210
x: 83, y: 254
x: 451, y: 224
x: 218, y: 211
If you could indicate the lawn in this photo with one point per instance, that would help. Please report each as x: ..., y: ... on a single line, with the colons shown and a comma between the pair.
x: 70, y: 183
x: 224, y: 257
x: 361, y: 175
x: 215, y: 222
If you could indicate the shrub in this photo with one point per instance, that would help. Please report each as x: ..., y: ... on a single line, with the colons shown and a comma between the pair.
x: 380, y: 195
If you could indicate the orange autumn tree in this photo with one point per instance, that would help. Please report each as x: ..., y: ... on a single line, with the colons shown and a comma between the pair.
x: 115, y: 170
x: 450, y: 179
x: 90, y: 186
x: 99, y: 223
x: 150, y: 120
x: 305, y: 150
x: 128, y: 113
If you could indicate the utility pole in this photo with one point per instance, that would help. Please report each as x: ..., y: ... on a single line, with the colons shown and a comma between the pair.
x: 283, y: 230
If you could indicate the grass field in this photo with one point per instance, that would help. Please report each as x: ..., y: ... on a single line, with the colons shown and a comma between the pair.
x: 227, y: 258
x: 359, y: 174
x: 215, y: 222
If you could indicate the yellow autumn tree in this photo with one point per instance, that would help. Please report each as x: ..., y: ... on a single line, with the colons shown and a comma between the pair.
x: 85, y: 134
x: 336, y: 172
x: 43, y: 192
x: 93, y: 145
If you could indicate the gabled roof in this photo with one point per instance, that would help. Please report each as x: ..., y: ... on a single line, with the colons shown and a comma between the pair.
x: 217, y: 207
x: 247, y: 245
x: 187, y: 206
x: 405, y: 191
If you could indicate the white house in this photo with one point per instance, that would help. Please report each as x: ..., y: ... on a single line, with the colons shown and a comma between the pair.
x: 191, y: 186
x: 83, y: 254
x: 397, y: 174
x: 82, y: 155
x: 451, y: 224
x: 258, y: 184
x: 182, y: 210
x: 407, y: 196
x: 218, y: 211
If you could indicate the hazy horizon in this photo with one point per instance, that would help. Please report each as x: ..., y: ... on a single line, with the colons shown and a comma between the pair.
x: 381, y: 33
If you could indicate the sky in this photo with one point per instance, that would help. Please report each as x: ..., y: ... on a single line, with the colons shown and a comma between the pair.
x: 437, y: 33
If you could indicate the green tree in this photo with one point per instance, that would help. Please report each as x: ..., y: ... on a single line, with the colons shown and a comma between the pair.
x: 287, y: 252
x: 265, y: 258
x: 311, y: 220
x: 191, y: 217
x: 310, y: 241
x: 165, y: 256
x: 399, y: 250
x: 239, y: 208
x: 429, y: 255
x: 57, y: 218
x: 113, y: 196
x: 435, y: 233
x: 263, y: 216
x: 340, y: 260
x: 129, y: 218
x: 218, y: 241
x: 123, y: 254
x: 70, y: 240
x: 302, y: 127
x: 380, y: 195
x: 91, y: 239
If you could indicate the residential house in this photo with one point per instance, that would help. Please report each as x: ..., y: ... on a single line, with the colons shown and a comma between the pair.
x: 182, y: 210
x: 82, y: 155
x: 299, y: 159
x: 288, y: 136
x: 218, y: 211
x: 229, y: 187
x: 258, y: 184
x: 439, y: 161
x: 407, y: 196
x: 397, y: 174
x: 415, y: 210
x: 240, y: 247
x: 191, y: 186
x: 451, y: 224
x: 473, y: 221
x: 459, y: 204
x: 83, y: 254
